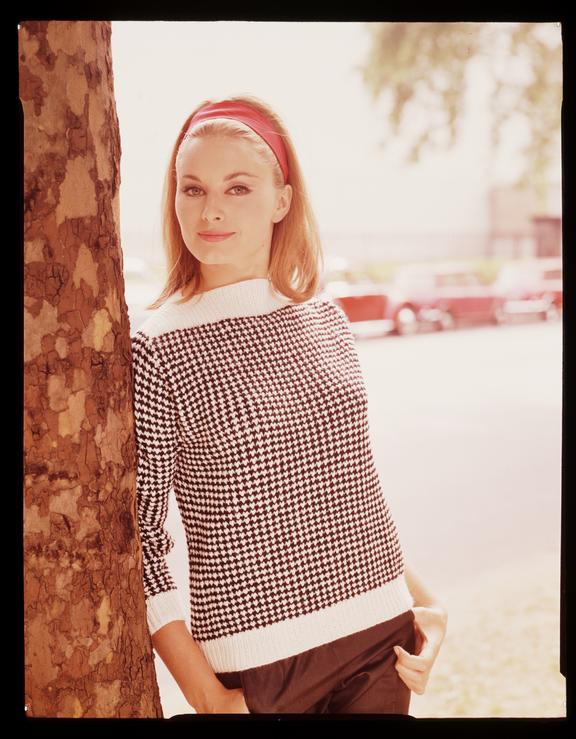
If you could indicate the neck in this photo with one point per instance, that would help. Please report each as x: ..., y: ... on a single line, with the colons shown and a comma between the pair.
x: 212, y: 282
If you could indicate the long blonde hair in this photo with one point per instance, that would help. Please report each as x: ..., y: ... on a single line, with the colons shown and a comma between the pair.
x: 296, y: 258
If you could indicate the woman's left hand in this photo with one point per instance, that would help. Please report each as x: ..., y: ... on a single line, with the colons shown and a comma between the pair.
x: 430, y: 625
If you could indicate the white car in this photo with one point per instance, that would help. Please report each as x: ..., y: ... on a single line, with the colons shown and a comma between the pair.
x: 531, y: 286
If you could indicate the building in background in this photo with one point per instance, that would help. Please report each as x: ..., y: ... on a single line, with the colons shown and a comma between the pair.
x: 519, y: 229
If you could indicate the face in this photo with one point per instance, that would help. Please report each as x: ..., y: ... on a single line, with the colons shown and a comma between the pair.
x: 246, y: 205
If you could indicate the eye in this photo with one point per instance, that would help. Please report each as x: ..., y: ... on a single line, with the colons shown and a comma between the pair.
x: 243, y: 187
x: 187, y: 189
x: 234, y: 187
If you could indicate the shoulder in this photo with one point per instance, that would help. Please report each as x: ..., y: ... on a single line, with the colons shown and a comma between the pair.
x: 161, y: 320
x: 329, y: 304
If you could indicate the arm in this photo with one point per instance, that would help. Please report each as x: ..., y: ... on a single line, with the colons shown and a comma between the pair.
x: 189, y: 667
x: 419, y: 592
x: 156, y: 431
x: 430, y: 620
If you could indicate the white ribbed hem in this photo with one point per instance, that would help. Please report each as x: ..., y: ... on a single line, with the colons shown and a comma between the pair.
x: 295, y: 635
x: 163, y: 608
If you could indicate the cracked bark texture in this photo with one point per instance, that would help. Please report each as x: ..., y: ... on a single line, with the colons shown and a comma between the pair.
x: 88, y: 651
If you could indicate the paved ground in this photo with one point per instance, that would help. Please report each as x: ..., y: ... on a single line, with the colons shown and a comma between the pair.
x: 500, y: 657
x: 466, y: 430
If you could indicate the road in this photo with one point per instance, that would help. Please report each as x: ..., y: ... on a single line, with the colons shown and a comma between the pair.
x: 467, y: 433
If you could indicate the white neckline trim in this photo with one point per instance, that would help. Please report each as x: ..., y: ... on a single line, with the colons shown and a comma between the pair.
x: 253, y: 297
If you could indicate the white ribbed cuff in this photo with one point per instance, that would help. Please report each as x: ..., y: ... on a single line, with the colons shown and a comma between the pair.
x: 163, y: 608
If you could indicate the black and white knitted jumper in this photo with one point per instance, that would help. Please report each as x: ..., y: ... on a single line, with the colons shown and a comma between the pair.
x: 253, y: 409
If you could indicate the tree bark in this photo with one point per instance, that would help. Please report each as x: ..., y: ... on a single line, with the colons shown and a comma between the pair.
x: 88, y: 651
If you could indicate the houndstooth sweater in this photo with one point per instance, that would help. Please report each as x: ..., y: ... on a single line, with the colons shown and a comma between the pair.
x: 253, y: 409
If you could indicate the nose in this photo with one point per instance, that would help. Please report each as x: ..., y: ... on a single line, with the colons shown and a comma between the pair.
x: 212, y: 210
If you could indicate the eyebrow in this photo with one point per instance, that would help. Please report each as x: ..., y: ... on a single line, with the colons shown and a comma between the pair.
x: 228, y: 177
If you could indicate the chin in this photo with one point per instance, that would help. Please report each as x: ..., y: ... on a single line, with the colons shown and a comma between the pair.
x: 209, y: 254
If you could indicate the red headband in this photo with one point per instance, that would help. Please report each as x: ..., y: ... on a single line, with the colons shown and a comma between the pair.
x: 251, y: 117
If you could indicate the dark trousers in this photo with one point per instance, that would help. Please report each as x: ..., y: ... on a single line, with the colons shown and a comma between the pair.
x: 353, y: 674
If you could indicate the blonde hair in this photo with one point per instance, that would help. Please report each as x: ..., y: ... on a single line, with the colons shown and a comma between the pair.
x: 295, y: 251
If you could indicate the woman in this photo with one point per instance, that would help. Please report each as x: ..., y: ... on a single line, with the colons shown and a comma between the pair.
x: 250, y: 403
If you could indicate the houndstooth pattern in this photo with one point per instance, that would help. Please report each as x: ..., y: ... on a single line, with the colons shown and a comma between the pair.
x: 260, y: 425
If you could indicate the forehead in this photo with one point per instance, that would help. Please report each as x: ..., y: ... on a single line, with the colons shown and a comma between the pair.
x: 214, y: 154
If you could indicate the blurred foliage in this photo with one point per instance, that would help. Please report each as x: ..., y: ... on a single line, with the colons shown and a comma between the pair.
x: 422, y: 68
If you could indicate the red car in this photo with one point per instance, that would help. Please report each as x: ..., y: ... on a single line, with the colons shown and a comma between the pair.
x: 531, y: 286
x: 439, y: 296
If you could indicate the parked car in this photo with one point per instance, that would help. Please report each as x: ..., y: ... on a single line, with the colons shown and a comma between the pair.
x: 439, y: 296
x: 442, y: 296
x: 364, y: 303
x: 531, y: 286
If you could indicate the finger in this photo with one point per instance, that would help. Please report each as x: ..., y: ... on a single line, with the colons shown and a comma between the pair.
x: 416, y: 681
x: 410, y: 682
x: 413, y: 661
x: 411, y: 674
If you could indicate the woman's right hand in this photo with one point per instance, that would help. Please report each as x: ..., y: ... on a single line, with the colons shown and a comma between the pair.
x: 430, y: 624
x: 235, y: 702
x: 229, y: 700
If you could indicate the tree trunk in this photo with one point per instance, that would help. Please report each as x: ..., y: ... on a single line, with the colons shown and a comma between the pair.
x: 88, y: 651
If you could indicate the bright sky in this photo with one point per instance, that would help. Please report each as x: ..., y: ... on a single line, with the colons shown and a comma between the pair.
x: 307, y: 72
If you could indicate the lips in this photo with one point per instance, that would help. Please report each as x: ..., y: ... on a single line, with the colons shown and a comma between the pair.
x: 214, y: 235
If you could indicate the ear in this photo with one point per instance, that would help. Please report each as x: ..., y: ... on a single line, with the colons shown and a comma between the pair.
x: 284, y: 202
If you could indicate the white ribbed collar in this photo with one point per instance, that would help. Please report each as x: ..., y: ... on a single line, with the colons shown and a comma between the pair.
x: 252, y: 297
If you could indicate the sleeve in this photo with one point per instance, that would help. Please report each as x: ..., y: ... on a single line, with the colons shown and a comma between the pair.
x: 156, y: 432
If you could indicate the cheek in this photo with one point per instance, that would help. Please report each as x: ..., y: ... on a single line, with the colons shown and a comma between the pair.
x: 183, y: 207
x: 256, y: 211
x: 178, y: 206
